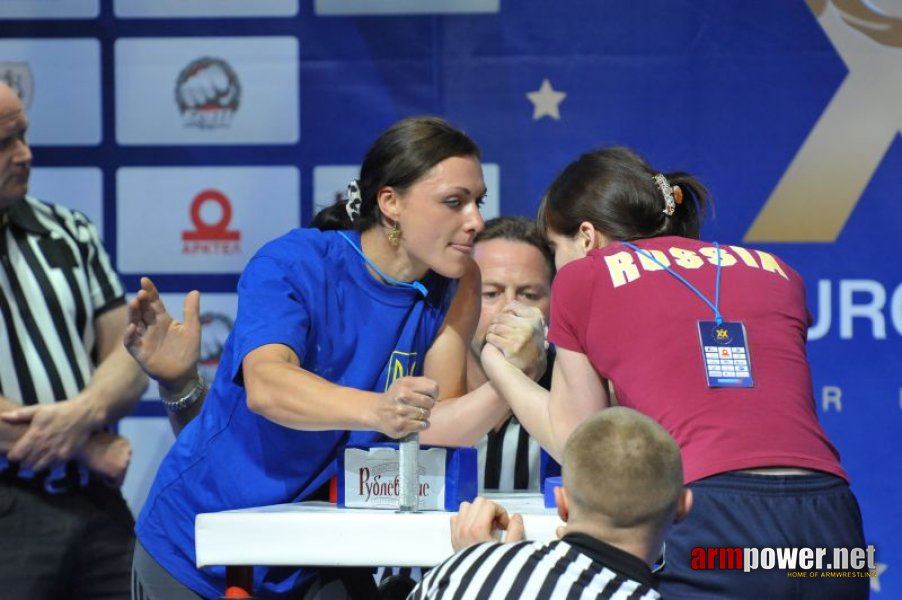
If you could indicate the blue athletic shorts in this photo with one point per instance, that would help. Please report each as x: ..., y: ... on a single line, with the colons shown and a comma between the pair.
x: 771, y: 516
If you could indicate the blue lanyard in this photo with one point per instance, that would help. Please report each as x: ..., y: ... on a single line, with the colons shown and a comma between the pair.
x: 718, y: 318
x: 414, y: 284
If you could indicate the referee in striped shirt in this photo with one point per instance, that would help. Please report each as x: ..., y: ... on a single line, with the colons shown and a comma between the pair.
x: 516, y: 265
x: 65, y: 530
x: 623, y: 488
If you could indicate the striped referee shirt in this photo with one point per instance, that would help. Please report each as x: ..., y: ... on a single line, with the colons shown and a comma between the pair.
x: 577, y: 566
x: 509, y: 459
x: 55, y: 280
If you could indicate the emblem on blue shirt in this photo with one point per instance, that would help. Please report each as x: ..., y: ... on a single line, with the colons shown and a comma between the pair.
x: 400, y: 364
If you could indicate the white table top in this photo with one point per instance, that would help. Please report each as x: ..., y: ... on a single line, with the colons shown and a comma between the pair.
x: 320, y: 534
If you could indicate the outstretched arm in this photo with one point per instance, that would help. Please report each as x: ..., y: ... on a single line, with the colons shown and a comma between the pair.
x: 577, y: 392
x: 166, y: 349
x: 458, y: 419
x: 281, y: 390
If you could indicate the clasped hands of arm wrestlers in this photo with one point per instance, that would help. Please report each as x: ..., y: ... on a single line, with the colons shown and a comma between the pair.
x: 518, y: 333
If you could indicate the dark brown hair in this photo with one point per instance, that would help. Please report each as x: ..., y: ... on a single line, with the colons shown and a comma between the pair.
x: 614, y: 190
x: 517, y: 229
x: 398, y: 158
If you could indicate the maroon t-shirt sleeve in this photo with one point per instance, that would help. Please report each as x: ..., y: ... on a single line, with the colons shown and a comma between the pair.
x: 800, y: 298
x: 571, y: 295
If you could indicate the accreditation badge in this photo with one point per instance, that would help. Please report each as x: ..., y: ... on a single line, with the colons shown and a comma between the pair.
x: 725, y: 354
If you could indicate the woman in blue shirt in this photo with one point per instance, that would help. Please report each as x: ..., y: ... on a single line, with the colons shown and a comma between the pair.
x: 343, y: 336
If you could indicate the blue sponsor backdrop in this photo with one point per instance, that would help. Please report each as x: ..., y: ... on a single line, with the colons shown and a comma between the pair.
x: 788, y: 110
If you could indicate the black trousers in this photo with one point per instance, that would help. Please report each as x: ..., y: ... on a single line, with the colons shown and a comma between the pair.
x: 76, y: 544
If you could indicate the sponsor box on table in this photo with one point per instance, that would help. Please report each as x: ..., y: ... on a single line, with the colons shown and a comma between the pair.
x: 368, y: 476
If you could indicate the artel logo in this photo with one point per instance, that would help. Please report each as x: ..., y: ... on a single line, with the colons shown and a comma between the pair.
x: 17, y: 75
x: 211, y: 237
x: 208, y: 93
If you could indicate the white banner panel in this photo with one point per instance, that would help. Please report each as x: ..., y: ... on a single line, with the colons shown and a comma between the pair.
x: 207, y: 90
x: 206, y: 8
x: 403, y: 7
x: 491, y: 173
x: 201, y: 220
x: 49, y: 9
x: 79, y: 188
x: 330, y: 182
x: 151, y: 438
x: 58, y: 81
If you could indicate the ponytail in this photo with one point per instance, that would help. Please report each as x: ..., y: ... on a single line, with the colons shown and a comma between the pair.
x: 332, y: 218
x: 687, y: 219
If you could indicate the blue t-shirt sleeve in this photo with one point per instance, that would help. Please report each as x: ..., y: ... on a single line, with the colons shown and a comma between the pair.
x: 441, y: 294
x: 272, y: 309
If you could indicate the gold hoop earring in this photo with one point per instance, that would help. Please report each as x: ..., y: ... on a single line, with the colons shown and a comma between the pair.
x: 394, y: 234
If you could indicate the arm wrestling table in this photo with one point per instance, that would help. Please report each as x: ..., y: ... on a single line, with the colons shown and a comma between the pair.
x: 321, y: 534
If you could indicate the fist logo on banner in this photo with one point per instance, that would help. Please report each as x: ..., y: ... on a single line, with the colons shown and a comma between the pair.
x: 211, y: 238
x: 208, y: 92
x: 830, y: 166
x: 214, y: 328
x: 17, y: 75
